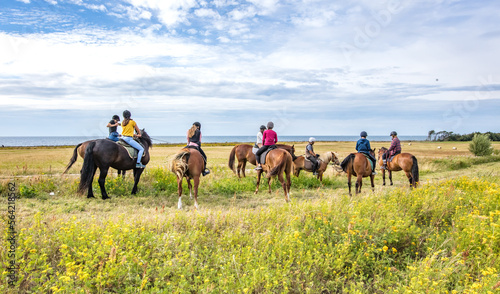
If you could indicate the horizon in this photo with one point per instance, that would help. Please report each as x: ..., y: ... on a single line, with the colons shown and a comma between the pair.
x: 310, y: 66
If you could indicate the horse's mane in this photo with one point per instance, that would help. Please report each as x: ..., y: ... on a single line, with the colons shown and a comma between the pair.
x: 145, y: 137
x: 326, y: 157
x: 383, y: 149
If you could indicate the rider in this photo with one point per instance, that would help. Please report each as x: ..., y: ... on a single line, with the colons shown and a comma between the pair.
x: 269, y: 138
x: 363, y: 146
x: 311, y: 156
x: 194, y: 139
x: 112, y: 125
x: 258, y: 144
x: 128, y: 127
x: 395, y: 149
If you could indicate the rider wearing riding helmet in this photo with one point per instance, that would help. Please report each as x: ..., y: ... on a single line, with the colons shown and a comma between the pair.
x: 194, y: 139
x: 311, y: 156
x: 113, y: 125
x: 269, y: 138
x: 395, y: 149
x: 363, y: 146
x: 258, y: 143
x: 128, y: 128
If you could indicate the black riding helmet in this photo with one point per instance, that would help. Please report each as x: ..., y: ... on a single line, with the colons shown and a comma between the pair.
x: 116, y: 117
x: 393, y: 133
x: 262, y: 127
x: 197, y: 124
x: 363, y: 134
x: 127, y: 114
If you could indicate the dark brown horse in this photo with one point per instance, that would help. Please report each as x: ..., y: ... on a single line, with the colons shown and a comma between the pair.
x: 403, y: 161
x: 104, y: 154
x: 358, y: 165
x: 300, y: 163
x: 278, y: 161
x: 80, y: 150
x: 189, y: 164
x: 244, y: 154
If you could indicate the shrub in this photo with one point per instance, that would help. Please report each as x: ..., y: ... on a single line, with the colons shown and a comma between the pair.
x: 480, y: 145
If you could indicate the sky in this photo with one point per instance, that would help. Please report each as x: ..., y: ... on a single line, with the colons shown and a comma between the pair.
x: 313, y: 67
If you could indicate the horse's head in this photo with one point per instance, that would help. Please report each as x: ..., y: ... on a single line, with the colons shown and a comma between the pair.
x: 381, y: 152
x: 145, y: 138
x: 335, y: 159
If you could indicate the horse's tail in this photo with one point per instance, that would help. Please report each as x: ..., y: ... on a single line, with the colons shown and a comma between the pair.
x: 232, y: 155
x: 179, y: 165
x: 73, y: 158
x: 414, y: 171
x: 346, y: 161
x: 88, y: 169
x: 280, y: 167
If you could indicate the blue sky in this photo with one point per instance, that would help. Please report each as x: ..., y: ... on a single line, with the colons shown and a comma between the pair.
x: 314, y: 67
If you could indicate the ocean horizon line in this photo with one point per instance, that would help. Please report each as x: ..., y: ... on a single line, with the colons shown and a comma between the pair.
x: 35, y: 141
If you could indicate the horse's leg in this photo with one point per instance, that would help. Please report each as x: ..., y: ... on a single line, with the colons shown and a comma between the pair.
x: 288, y: 185
x: 123, y: 174
x: 238, y: 168
x: 258, y: 181
x: 390, y: 176
x: 137, y: 176
x: 90, y: 193
x: 269, y: 184
x: 349, y: 183
x: 372, y: 178
x: 179, y: 192
x: 196, y: 181
x: 408, y: 174
x: 383, y: 177
x: 103, y: 172
x: 283, y: 184
x: 359, y: 183
x: 190, y: 188
x: 243, y: 166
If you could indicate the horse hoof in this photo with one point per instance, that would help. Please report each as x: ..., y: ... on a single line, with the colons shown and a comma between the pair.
x: 383, y: 184
x: 104, y: 198
x: 88, y: 197
x: 391, y: 184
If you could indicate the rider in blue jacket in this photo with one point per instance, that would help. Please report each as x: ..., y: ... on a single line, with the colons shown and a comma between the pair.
x: 363, y: 146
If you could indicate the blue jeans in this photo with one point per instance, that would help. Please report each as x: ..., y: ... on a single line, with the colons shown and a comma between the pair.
x: 113, y: 136
x: 133, y: 143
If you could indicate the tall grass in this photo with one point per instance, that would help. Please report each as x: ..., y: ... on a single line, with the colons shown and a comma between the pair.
x: 439, y: 238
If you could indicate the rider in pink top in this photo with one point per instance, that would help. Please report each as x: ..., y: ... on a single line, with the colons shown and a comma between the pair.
x: 269, y: 138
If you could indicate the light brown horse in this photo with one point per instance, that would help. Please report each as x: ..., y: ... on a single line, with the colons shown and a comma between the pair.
x: 80, y: 150
x: 403, y: 161
x: 278, y: 161
x: 244, y: 154
x: 300, y: 163
x: 189, y: 164
x: 358, y: 165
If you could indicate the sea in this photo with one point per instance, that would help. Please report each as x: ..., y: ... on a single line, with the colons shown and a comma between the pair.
x: 75, y: 140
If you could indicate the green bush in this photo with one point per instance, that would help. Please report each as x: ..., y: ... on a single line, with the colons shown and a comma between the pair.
x: 480, y: 145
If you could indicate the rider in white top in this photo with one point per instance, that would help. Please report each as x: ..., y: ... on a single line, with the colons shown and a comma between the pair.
x: 258, y: 144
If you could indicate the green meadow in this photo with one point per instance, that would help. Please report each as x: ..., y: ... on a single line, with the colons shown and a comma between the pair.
x: 443, y: 237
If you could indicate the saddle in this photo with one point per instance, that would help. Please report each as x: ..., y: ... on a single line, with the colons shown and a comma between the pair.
x: 196, y: 148
x: 132, y: 152
x: 308, y: 164
x: 263, y: 155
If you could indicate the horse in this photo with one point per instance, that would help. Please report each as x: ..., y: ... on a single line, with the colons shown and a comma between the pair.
x: 358, y: 165
x: 80, y: 150
x: 403, y: 161
x: 103, y: 154
x: 244, y: 154
x: 188, y: 163
x: 300, y: 164
x: 278, y: 161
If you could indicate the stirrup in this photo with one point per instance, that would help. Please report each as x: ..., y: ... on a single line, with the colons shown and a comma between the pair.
x: 258, y: 168
x: 139, y: 165
x: 205, y: 172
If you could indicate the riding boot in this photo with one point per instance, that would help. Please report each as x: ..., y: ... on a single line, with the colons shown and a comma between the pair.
x: 384, y: 164
x: 205, y: 171
x: 315, y: 170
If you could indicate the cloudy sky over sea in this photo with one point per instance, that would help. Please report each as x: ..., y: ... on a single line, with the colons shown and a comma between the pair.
x: 318, y: 67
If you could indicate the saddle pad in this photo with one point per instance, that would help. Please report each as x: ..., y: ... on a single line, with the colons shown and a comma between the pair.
x: 132, y: 152
x: 372, y: 163
x: 263, y: 155
x: 308, y: 165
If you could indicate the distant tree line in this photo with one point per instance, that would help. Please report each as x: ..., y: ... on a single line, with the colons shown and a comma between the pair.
x: 450, y: 136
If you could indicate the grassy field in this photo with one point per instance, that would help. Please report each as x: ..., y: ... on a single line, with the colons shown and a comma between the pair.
x: 440, y: 238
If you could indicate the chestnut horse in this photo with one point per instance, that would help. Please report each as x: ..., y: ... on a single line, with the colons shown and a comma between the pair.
x: 300, y: 164
x: 244, y: 154
x: 189, y: 164
x: 103, y: 154
x: 80, y: 150
x: 403, y: 161
x: 278, y: 161
x: 358, y: 165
